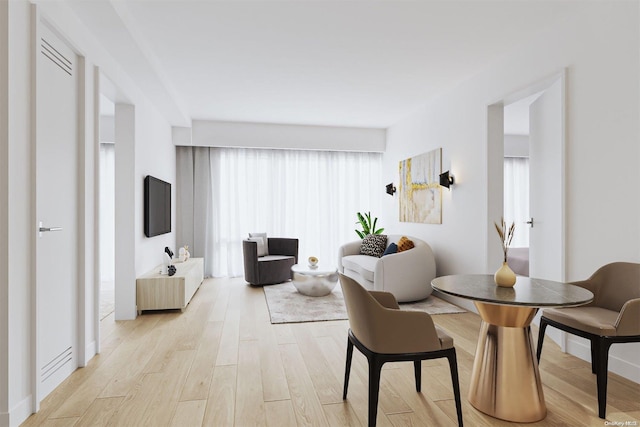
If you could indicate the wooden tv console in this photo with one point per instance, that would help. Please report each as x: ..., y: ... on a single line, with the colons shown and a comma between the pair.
x: 155, y: 291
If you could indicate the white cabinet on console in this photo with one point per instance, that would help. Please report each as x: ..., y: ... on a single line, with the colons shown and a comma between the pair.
x: 155, y: 291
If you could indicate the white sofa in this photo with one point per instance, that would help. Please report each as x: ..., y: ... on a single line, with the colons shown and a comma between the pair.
x: 407, y: 275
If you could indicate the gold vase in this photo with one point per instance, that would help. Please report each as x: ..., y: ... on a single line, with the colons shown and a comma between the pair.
x: 505, y: 276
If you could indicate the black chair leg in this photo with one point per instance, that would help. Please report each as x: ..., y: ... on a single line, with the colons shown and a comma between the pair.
x: 347, y: 368
x: 602, y: 373
x: 543, y: 326
x: 417, y: 368
x: 594, y: 356
x: 375, y: 366
x: 453, y: 366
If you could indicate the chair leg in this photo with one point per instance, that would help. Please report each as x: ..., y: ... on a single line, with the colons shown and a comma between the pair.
x: 347, y: 368
x: 453, y: 366
x: 417, y: 368
x: 375, y: 366
x: 543, y: 326
x: 602, y: 372
x: 594, y: 356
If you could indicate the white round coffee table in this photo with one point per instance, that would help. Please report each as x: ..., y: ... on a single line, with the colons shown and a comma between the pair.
x: 314, y: 282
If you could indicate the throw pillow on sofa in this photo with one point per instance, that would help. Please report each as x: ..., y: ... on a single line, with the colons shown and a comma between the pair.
x: 392, y: 249
x: 404, y: 244
x: 374, y: 245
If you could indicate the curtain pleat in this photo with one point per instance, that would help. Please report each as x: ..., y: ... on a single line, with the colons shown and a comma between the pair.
x: 516, y: 198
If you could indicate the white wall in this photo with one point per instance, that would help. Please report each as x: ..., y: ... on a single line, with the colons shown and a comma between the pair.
x: 155, y: 155
x: 153, y: 145
x: 516, y: 146
x: 599, y: 49
x: 208, y: 133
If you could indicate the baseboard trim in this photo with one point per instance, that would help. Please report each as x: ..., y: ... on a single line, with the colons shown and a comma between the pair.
x: 89, y: 351
x: 18, y: 414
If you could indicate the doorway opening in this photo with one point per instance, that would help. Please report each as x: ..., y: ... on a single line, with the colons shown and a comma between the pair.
x: 516, y: 180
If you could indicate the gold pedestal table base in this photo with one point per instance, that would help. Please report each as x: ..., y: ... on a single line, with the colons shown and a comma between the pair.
x: 505, y: 381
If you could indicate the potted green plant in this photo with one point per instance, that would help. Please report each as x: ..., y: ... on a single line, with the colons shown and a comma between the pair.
x: 368, y: 226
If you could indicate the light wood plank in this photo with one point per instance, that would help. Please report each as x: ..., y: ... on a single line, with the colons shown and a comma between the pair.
x: 220, y: 409
x: 189, y: 414
x: 100, y: 411
x: 280, y: 413
x: 198, y: 380
x: 305, y: 401
x: 249, y: 396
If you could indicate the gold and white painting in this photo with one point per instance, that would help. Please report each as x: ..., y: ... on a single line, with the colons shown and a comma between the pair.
x: 419, y: 190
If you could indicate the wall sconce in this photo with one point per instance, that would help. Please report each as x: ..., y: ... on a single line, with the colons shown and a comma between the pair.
x: 446, y: 179
x: 391, y: 189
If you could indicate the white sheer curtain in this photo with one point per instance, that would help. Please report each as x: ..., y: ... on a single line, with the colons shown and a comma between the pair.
x: 516, y: 198
x: 107, y: 212
x: 305, y: 194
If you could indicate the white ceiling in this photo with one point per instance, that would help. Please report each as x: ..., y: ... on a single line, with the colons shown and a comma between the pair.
x: 341, y: 63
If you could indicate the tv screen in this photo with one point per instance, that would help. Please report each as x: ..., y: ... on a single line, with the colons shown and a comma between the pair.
x: 157, y: 206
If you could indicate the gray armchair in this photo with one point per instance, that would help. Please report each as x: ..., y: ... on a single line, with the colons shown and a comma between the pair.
x: 272, y: 268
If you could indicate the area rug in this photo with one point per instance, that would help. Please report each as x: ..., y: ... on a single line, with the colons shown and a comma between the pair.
x: 287, y: 305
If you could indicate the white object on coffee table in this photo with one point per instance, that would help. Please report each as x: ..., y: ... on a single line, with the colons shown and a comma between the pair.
x: 314, y: 282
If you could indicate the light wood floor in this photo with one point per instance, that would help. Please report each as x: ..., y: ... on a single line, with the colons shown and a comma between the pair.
x: 222, y: 363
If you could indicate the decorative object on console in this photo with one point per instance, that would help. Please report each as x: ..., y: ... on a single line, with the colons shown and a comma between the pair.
x: 446, y: 179
x: 419, y: 188
x: 168, y: 260
x: 171, y: 270
x: 313, y: 262
x: 505, y: 276
x: 391, y: 189
x: 368, y: 226
x: 168, y: 252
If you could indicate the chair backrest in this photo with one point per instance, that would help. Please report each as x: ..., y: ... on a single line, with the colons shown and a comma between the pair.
x: 361, y: 310
x: 615, y: 284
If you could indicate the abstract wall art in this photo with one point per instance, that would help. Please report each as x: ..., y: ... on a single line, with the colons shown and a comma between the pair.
x: 419, y: 190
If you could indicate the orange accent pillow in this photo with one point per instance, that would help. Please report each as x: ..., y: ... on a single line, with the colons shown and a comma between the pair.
x: 404, y: 244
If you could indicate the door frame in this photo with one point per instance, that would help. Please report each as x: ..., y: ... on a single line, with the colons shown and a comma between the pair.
x: 37, y: 21
x: 495, y: 160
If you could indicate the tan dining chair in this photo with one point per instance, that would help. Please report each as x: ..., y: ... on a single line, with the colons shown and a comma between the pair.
x: 383, y: 333
x: 612, y: 317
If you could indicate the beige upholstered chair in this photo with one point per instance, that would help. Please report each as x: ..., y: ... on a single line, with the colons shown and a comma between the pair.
x: 612, y: 317
x: 383, y: 334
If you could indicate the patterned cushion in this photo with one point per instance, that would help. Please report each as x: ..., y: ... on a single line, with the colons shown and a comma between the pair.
x: 404, y: 244
x: 374, y: 245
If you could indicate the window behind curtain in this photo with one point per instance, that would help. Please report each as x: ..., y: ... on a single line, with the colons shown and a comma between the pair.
x: 309, y: 195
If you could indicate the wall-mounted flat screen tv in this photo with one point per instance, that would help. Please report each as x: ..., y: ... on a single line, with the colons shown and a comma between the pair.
x: 157, y: 206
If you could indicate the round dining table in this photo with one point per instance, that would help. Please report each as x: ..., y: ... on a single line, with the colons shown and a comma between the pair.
x: 505, y: 380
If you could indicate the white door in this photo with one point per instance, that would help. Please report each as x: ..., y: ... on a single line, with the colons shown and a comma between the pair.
x: 546, y: 180
x: 57, y: 210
